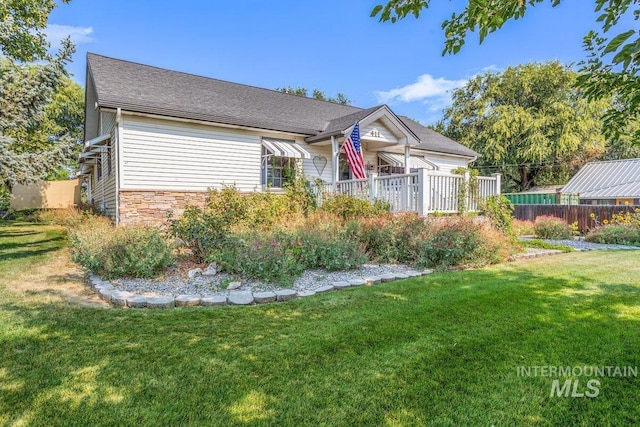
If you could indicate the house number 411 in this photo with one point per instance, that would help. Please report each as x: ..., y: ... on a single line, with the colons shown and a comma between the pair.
x: 375, y: 133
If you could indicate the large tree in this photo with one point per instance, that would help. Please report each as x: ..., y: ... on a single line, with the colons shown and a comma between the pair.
x: 38, y: 134
x: 22, y: 25
x: 528, y: 122
x: 613, y: 56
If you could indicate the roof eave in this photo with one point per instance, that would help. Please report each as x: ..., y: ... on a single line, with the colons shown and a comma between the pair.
x: 130, y: 108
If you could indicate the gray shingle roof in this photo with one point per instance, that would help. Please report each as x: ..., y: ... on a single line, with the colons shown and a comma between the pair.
x: 147, y: 89
x: 339, y: 124
x: 610, y: 179
x: 433, y: 141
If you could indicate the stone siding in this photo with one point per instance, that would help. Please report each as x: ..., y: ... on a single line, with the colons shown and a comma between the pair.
x: 148, y: 207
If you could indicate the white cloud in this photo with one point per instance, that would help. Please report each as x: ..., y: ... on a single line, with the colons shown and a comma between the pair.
x: 435, y: 91
x: 55, y: 34
x: 493, y: 68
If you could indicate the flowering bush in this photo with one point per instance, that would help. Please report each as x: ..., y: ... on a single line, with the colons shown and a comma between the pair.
x: 551, y: 227
x: 343, y: 234
x: 523, y: 227
x: 460, y: 242
x: 281, y: 257
x: 622, y: 229
x: 385, y: 238
x: 499, y: 210
x: 264, y: 257
x: 615, y: 234
x: 202, y: 232
x: 118, y: 252
x: 349, y: 207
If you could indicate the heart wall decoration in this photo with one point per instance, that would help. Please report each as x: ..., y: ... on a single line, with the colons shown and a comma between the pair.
x: 320, y: 162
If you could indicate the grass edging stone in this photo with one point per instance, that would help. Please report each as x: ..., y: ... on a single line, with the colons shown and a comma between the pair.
x: 118, y: 298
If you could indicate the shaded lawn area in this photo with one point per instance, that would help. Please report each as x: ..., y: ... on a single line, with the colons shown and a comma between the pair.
x: 442, y: 350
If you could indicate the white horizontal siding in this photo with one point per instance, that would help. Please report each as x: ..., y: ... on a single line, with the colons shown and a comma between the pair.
x: 370, y: 157
x: 376, y: 131
x: 447, y: 163
x: 104, y: 187
x: 308, y: 166
x: 159, y: 154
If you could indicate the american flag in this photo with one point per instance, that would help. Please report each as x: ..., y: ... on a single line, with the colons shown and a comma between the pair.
x: 353, y: 149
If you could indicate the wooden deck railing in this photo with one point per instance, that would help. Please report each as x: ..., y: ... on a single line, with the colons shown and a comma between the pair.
x: 423, y: 192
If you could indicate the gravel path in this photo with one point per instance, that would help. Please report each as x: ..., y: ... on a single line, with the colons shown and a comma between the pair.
x: 310, y: 280
x: 580, y: 245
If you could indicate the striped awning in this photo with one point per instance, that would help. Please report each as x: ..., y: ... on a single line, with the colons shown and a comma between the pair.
x: 285, y: 148
x: 415, y: 162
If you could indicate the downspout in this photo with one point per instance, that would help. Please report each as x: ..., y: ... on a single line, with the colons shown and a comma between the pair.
x: 89, y: 201
x: 103, y: 207
x: 116, y: 138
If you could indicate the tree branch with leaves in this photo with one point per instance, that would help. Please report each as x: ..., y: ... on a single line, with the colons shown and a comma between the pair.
x: 613, y: 57
x: 37, y: 136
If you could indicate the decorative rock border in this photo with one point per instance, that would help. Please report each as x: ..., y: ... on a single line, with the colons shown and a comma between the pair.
x: 118, y: 298
x: 535, y: 253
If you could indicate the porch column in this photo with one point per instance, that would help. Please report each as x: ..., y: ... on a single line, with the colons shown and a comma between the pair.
x: 373, y: 193
x: 407, y: 156
x: 407, y: 180
x: 423, y: 197
x: 335, y: 154
x: 498, y: 177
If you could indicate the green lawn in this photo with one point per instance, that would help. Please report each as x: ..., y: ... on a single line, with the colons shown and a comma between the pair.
x: 442, y: 349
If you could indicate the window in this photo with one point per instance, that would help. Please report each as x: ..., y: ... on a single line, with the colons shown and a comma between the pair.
x: 276, y: 171
x: 109, y: 167
x: 386, y: 168
x: 99, y: 167
x: 344, y: 171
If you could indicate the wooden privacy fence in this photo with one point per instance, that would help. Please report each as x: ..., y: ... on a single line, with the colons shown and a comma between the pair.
x: 46, y: 195
x: 571, y: 213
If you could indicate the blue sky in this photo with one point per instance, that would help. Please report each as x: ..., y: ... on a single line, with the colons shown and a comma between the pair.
x: 332, y: 45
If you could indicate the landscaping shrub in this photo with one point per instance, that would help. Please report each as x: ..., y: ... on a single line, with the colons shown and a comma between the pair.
x: 69, y: 217
x: 202, y: 232
x: 350, y: 207
x: 499, y: 210
x: 496, y: 246
x: 90, y: 241
x: 267, y: 211
x: 137, y: 252
x: 440, y: 243
x: 385, y: 237
x: 619, y: 234
x: 5, y: 201
x: 266, y: 257
x: 447, y: 242
x: 332, y: 253
x: 523, y: 227
x: 377, y: 237
x: 551, y: 227
x: 228, y: 204
x: 281, y: 256
x: 118, y: 252
x: 300, y: 195
x: 259, y: 236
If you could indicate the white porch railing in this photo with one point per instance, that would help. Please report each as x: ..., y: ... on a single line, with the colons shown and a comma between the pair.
x: 423, y: 192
